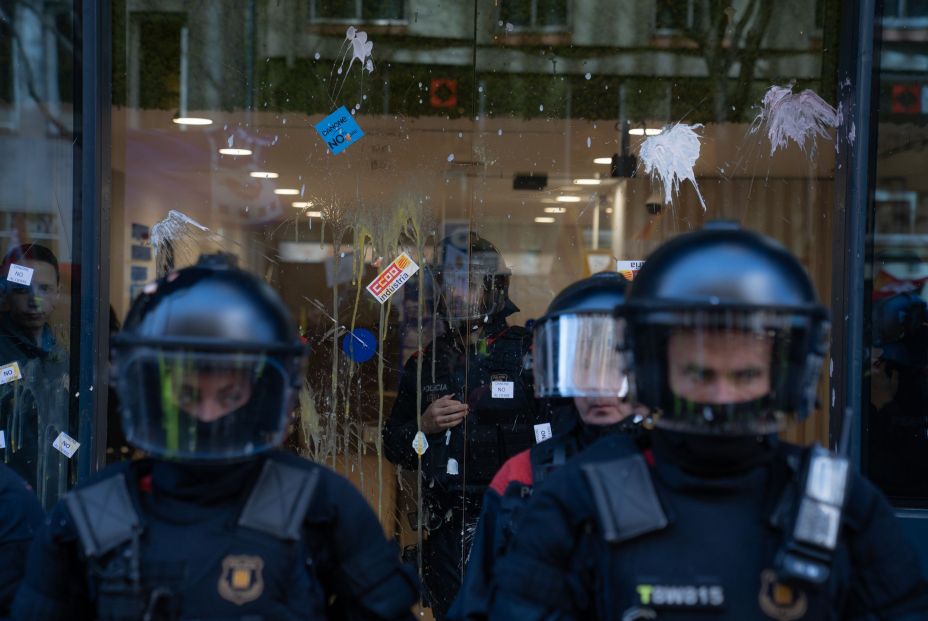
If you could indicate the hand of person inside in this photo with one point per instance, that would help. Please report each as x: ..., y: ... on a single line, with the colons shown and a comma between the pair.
x: 443, y: 413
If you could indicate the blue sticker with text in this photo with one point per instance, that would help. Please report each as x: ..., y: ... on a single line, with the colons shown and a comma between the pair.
x: 339, y: 130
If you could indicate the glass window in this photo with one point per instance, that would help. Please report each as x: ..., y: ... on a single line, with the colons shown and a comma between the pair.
x: 896, y: 379
x: 503, y: 165
x: 534, y: 14
x: 37, y: 82
x: 364, y: 10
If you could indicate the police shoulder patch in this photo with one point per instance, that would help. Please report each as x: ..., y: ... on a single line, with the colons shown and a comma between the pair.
x: 241, y: 579
x: 780, y: 601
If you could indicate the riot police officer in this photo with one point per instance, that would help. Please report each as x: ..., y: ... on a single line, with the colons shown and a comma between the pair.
x: 20, y: 516
x: 578, y: 374
x: 477, y: 405
x: 217, y: 524
x: 720, y: 520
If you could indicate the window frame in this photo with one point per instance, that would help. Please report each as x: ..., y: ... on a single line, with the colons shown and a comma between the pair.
x: 359, y: 16
x: 534, y: 28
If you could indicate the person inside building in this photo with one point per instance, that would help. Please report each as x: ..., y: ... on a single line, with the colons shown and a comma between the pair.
x: 34, y: 401
x: 216, y: 523
x: 578, y: 374
x: 466, y: 403
x: 719, y: 519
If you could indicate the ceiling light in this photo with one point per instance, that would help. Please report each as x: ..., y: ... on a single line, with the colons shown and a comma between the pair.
x: 605, y: 161
x: 568, y: 199
x: 192, y: 120
x: 302, y: 204
x: 257, y: 174
x: 608, y: 209
x: 235, y: 151
x: 545, y: 220
x: 286, y: 191
x: 555, y: 209
x: 313, y: 214
x: 638, y: 131
x: 587, y: 181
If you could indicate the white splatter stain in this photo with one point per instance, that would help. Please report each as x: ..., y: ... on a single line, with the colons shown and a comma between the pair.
x: 541, y: 107
x: 801, y: 117
x: 670, y: 157
x: 588, y: 76
x: 451, y: 157
x: 509, y: 27
x: 317, y: 55
x: 499, y: 132
x: 589, y: 142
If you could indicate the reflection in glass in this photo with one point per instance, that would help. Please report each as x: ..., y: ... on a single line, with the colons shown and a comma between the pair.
x: 469, y: 127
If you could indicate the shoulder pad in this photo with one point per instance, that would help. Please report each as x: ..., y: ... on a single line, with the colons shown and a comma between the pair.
x: 279, y: 500
x: 626, y: 502
x: 517, y: 469
x: 103, y: 515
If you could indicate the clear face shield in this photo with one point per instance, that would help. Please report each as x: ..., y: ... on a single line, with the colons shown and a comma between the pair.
x: 733, y: 372
x: 203, y: 406
x: 470, y: 295
x: 579, y: 356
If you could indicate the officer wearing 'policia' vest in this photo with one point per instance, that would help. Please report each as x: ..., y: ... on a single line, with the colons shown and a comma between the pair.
x: 217, y: 524
x: 725, y: 337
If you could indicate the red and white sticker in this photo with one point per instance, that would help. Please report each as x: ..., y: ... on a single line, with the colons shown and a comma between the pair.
x: 393, y: 277
x: 629, y: 269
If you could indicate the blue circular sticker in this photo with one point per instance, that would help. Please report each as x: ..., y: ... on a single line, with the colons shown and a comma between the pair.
x: 360, y: 345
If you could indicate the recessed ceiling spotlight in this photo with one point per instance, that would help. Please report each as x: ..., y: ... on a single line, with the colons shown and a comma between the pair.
x: 192, y: 120
x: 545, y: 220
x: 259, y: 174
x: 235, y: 151
x: 286, y: 191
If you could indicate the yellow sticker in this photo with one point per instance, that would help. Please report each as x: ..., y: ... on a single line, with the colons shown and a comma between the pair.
x: 420, y: 444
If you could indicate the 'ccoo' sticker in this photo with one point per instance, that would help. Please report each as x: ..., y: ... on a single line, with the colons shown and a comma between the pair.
x: 391, y: 279
x: 339, y: 130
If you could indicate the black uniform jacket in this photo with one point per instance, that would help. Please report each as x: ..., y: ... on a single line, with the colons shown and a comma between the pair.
x: 198, y: 558
x: 710, y: 557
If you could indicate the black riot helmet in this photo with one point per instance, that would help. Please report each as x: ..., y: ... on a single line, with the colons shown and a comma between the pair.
x: 471, y: 277
x: 575, y: 346
x: 724, y: 333
x: 207, y: 364
x: 900, y: 330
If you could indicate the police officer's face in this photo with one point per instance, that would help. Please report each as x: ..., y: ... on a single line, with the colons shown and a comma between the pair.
x: 30, y: 306
x: 604, y: 410
x: 210, y: 395
x: 719, y: 367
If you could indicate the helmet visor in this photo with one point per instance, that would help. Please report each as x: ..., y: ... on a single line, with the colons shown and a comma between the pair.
x: 578, y: 356
x: 469, y: 294
x: 203, y: 406
x: 726, y: 371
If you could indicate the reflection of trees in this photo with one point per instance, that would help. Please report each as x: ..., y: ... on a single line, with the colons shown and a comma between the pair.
x: 46, y: 16
x: 725, y: 38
